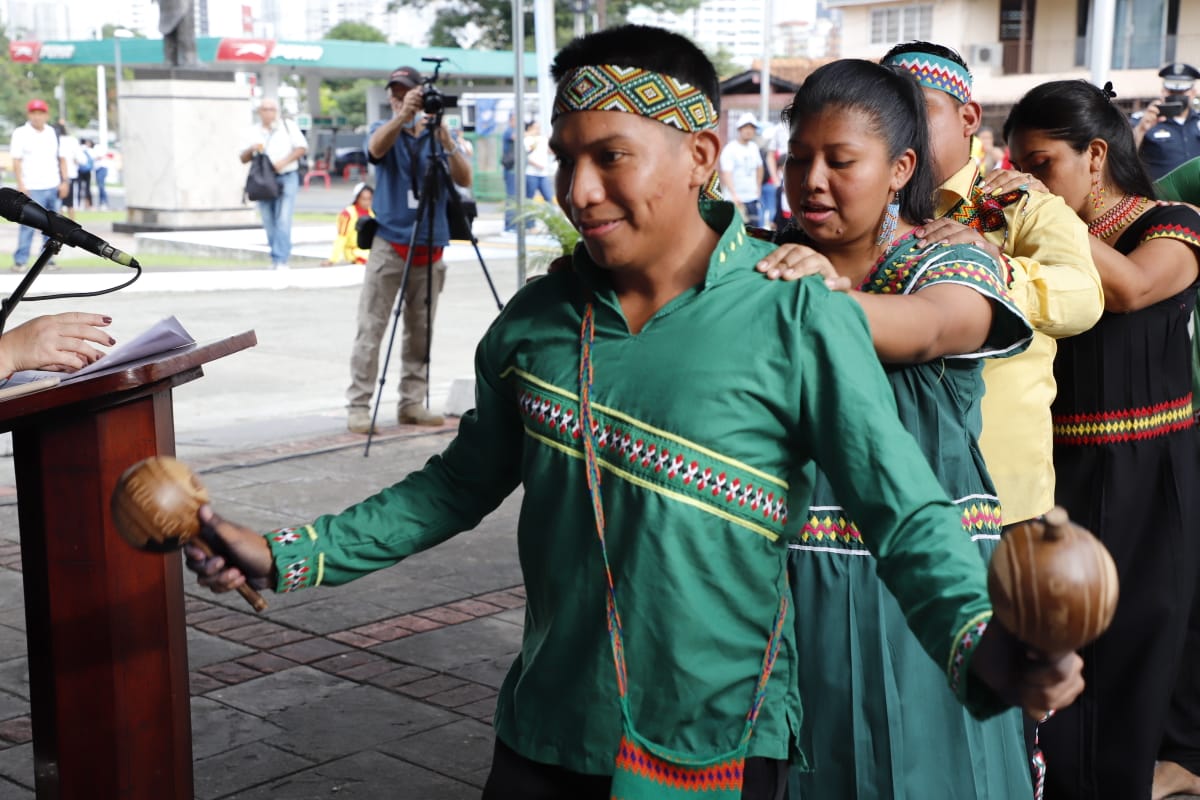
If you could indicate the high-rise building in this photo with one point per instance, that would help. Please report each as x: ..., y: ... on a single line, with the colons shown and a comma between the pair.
x: 797, y: 27
x: 49, y: 20
x: 294, y: 20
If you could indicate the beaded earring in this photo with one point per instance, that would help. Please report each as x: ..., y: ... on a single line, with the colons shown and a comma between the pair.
x: 1097, y: 196
x: 891, y: 217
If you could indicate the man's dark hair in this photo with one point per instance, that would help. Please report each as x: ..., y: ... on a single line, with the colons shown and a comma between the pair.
x: 644, y: 47
x: 1076, y: 112
x: 939, y: 50
x: 891, y: 97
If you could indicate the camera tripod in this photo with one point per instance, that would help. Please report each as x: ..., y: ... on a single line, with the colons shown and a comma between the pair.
x: 436, y: 181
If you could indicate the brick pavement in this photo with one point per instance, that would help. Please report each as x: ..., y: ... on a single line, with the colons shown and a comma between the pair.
x: 382, y: 688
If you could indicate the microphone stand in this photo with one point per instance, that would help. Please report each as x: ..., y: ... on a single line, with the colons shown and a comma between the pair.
x: 49, y: 249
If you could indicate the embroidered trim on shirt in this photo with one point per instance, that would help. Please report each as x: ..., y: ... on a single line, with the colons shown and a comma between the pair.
x: 832, y: 531
x: 303, y: 572
x: 910, y: 271
x: 672, y: 777
x: 1177, y: 232
x: 656, y: 460
x: 964, y: 642
x: 679, y: 440
x: 919, y: 268
x: 1124, y: 425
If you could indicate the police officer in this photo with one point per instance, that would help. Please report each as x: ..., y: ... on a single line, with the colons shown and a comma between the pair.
x: 1169, y: 130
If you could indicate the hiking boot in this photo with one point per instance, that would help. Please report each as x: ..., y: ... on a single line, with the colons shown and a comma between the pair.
x: 419, y: 415
x: 359, y: 420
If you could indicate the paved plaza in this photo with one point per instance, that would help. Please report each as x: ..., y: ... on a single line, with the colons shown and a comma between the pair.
x: 384, y: 688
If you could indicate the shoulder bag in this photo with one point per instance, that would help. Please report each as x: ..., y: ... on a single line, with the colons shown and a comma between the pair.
x: 261, y: 181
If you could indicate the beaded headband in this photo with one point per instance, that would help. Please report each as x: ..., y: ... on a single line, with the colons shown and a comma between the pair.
x: 936, y: 73
x: 606, y: 87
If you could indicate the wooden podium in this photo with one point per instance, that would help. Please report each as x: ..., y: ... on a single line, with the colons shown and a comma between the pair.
x: 108, y: 671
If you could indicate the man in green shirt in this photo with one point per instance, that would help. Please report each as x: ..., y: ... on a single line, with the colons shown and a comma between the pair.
x: 708, y: 394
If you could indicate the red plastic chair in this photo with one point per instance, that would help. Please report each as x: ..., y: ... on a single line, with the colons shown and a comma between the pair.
x: 319, y: 169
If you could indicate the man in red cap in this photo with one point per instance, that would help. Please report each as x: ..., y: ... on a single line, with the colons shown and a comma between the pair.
x: 40, y: 169
x: 402, y: 152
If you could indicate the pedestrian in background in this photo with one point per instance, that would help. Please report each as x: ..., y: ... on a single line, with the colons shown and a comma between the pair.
x: 508, y: 162
x: 103, y: 163
x: 1167, y: 133
x: 345, y: 245
x: 40, y: 171
x: 539, y: 163
x: 87, y: 162
x: 741, y: 168
x: 284, y: 144
x: 68, y: 150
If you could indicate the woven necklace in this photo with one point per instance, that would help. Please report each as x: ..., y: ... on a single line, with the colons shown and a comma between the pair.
x: 1116, y: 218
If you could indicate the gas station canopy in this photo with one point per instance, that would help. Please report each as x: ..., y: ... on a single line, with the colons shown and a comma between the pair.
x: 328, y: 58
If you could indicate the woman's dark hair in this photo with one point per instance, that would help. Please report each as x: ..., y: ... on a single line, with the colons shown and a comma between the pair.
x: 1077, y: 112
x: 644, y: 47
x: 893, y: 100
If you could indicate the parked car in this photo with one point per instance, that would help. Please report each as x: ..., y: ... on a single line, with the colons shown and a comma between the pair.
x: 348, y: 156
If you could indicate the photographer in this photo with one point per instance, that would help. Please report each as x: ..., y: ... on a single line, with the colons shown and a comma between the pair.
x: 401, y: 151
x: 1168, y: 132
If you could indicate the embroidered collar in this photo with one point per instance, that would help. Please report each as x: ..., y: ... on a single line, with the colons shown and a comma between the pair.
x: 720, y: 215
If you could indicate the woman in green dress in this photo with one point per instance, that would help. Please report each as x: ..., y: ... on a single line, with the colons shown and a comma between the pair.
x: 878, y: 720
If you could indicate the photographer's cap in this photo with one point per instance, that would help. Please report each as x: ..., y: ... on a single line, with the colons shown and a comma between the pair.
x: 406, y: 77
x: 1178, y: 77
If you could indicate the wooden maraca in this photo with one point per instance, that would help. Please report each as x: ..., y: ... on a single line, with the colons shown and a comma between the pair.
x: 155, y: 505
x: 1053, y: 584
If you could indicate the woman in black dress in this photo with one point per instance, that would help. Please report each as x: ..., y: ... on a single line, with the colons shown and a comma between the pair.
x: 1125, y: 449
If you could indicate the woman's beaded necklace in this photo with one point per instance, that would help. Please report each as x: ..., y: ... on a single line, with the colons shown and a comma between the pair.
x: 1116, y: 218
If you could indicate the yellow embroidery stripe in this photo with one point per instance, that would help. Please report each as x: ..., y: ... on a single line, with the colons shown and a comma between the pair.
x: 1131, y: 425
x: 738, y: 465
x: 963, y: 631
x: 645, y: 484
x: 520, y: 373
x: 312, y: 535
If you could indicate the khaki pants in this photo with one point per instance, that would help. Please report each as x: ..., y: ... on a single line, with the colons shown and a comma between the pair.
x: 381, y: 282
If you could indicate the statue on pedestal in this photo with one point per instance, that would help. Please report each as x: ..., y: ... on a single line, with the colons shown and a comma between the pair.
x: 178, y: 28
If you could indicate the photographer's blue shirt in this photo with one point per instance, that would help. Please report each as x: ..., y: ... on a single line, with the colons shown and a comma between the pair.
x: 396, y: 202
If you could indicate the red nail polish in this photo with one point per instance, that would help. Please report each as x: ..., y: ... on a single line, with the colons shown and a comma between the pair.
x: 106, y: 320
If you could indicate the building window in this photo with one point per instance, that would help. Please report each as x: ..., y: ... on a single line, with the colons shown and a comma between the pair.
x: 892, y: 25
x: 1145, y: 33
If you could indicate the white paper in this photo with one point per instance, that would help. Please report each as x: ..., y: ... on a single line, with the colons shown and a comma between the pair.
x: 165, y: 335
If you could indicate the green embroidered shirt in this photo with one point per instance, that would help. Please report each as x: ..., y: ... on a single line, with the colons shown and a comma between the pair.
x: 709, y: 423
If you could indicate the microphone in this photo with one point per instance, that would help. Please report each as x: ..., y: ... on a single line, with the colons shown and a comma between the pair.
x: 19, y: 208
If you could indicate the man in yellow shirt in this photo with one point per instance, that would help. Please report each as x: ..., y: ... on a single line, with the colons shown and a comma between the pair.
x: 1052, y: 278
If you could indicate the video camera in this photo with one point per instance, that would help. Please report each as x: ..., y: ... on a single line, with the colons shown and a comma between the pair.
x: 433, y: 102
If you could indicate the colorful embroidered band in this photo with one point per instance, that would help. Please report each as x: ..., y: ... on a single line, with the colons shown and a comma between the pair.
x: 607, y: 87
x: 936, y: 73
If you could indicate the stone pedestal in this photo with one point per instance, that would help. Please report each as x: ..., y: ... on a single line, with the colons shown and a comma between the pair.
x: 181, y: 130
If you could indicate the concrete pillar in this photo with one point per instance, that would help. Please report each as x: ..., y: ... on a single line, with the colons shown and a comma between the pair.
x: 186, y: 128
x: 312, y: 88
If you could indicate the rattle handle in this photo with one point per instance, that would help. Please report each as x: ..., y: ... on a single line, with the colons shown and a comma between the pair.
x: 1056, y: 523
x: 245, y: 590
